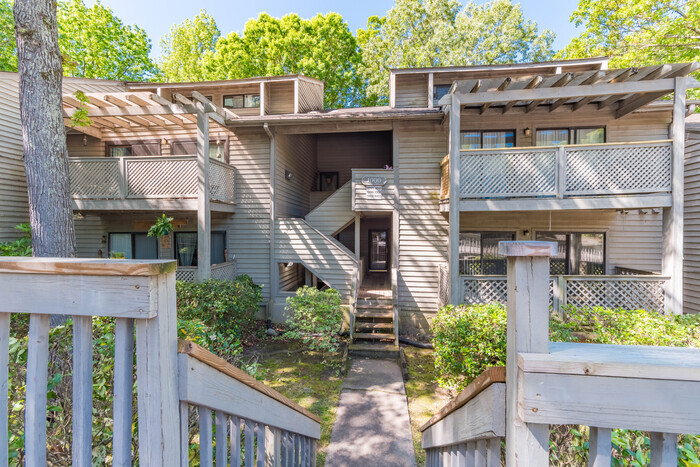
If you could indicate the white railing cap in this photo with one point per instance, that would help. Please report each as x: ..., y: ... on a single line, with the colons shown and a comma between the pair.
x: 527, y: 248
x: 86, y: 266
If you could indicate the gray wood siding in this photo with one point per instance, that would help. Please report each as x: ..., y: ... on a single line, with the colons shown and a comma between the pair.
x: 297, y: 154
x: 411, y: 91
x: 423, y: 230
x: 281, y: 97
x: 13, y: 187
x: 334, y: 213
x: 342, y: 152
x: 691, y: 265
x: 385, y: 200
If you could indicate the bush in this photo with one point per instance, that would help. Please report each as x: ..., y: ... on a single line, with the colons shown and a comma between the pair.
x: 316, y: 318
x: 20, y: 247
x: 219, y: 313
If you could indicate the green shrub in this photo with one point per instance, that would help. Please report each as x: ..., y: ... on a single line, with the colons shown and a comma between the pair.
x: 218, y: 312
x: 315, y: 318
x: 20, y: 247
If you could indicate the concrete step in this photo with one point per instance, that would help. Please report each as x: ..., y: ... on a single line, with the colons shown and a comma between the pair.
x: 373, y: 336
x: 373, y: 350
x: 373, y: 314
x: 360, y: 327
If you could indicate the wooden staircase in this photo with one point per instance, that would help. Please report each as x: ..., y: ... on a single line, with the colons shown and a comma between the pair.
x: 375, y: 330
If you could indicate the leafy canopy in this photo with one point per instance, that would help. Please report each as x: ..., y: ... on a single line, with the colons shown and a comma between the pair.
x: 188, y: 48
x: 8, y: 47
x: 425, y: 33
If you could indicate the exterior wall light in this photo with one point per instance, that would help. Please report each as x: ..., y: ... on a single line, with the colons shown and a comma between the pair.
x: 288, y: 174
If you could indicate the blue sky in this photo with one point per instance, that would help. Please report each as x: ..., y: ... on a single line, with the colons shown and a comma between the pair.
x: 156, y: 16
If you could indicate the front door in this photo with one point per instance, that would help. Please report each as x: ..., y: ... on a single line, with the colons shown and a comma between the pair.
x: 378, y: 250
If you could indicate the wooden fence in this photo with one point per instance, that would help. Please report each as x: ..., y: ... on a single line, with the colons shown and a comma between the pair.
x: 140, y: 295
x: 653, y: 389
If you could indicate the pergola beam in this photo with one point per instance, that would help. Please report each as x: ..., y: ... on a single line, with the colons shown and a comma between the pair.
x: 592, y: 79
x: 88, y: 130
x: 534, y: 82
x: 504, y: 85
x: 563, y: 81
x: 137, y: 111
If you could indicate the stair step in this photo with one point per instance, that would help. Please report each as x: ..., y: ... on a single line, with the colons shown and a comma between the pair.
x: 373, y: 326
x: 365, y: 306
x: 374, y: 350
x: 368, y: 314
x: 376, y: 335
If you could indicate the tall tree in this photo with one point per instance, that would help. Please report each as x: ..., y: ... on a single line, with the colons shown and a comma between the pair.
x: 45, y: 152
x: 188, y: 48
x: 96, y: 44
x: 322, y: 47
x: 8, y: 47
x: 419, y: 33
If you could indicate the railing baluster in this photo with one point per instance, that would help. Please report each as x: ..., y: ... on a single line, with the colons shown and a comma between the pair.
x: 205, y: 437
x: 471, y: 452
x: 493, y: 457
x: 599, y: 447
x: 249, y: 444
x: 664, y: 449
x: 297, y: 449
x: 313, y: 453
x: 260, y: 437
x: 123, y: 390
x: 221, y: 435
x: 184, y: 434
x: 462, y: 456
x: 480, y: 453
x: 37, y: 379
x: 271, y: 451
x: 4, y: 363
x: 283, y: 448
x: 81, y: 448
x: 235, y: 429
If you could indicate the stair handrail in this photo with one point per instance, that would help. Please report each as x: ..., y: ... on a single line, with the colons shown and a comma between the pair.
x: 332, y: 240
x: 346, y: 184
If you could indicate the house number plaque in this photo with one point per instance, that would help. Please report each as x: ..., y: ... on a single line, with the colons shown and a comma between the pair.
x: 374, y: 181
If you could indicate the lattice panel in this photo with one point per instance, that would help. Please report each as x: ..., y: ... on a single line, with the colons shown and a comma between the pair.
x: 221, y: 182
x: 484, y: 291
x: 443, y: 286
x: 187, y: 275
x: 618, y: 293
x: 161, y: 178
x: 94, y: 179
x: 508, y: 174
x: 225, y: 272
x: 619, y: 169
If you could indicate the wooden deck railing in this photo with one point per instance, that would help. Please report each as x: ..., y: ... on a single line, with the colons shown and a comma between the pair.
x: 563, y: 171
x: 140, y: 295
x: 613, y: 291
x: 147, y: 177
x: 220, y: 271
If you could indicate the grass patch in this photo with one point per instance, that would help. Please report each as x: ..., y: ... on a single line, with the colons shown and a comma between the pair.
x: 302, y: 376
x: 425, y: 397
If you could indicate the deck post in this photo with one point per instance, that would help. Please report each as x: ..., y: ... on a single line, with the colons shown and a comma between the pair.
x: 455, y: 109
x: 395, y: 231
x: 274, y: 268
x: 528, y: 331
x: 672, y: 260
x: 203, y: 195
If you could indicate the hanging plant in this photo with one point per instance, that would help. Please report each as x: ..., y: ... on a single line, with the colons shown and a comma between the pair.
x: 162, y: 227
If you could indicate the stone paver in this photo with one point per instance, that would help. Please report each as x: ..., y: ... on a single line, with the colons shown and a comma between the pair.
x: 373, y: 426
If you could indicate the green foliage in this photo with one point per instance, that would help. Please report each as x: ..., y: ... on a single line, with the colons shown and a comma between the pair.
x: 219, y: 312
x: 20, y: 247
x: 315, y: 318
x: 637, y: 33
x: 427, y: 33
x: 8, y: 46
x: 80, y: 117
x: 162, y: 227
x: 322, y: 47
x: 188, y: 48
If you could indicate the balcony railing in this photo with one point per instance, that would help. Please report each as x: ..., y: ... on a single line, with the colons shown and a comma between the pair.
x: 221, y: 271
x: 108, y: 178
x: 563, y: 171
x: 618, y: 291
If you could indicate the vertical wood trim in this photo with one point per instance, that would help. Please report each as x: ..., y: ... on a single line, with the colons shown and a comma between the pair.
x: 392, y: 90
x: 599, y: 447
x: 156, y: 371
x: 274, y: 270
x: 184, y: 435
x: 205, y: 437
x: 673, y: 223
x: 249, y: 444
x: 480, y: 454
x: 235, y: 434
x: 664, y: 449
x: 455, y: 110
x: 263, y: 100
x: 37, y: 379
x: 430, y: 90
x: 296, y: 96
x: 395, y: 230
x: 260, y: 436
x: 221, y: 437
x: 123, y: 390
x: 81, y: 449
x: 203, y: 195
x: 493, y: 458
x: 527, y: 331
x: 4, y: 363
x: 561, y: 171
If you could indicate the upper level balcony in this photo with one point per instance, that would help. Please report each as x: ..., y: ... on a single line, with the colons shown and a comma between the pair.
x: 146, y: 183
x: 612, y: 175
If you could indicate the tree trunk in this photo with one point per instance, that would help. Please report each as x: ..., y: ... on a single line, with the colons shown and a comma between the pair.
x: 44, y: 134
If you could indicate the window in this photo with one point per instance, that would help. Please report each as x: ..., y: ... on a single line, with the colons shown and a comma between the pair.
x: 241, y: 101
x: 562, y: 136
x: 440, y: 91
x: 186, y: 248
x: 478, y: 252
x: 120, y: 151
x: 475, y: 139
x: 328, y: 181
x: 218, y: 149
x: 579, y: 253
x: 136, y: 149
x: 133, y: 246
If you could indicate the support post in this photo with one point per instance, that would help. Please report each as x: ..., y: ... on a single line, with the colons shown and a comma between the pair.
x: 672, y: 261
x: 528, y: 331
x: 263, y: 99
x: 274, y: 269
x: 455, y: 155
x: 664, y: 449
x: 431, y: 87
x: 395, y: 231
x: 203, y: 196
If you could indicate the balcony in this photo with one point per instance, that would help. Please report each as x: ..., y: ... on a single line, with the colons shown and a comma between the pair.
x: 627, y: 175
x: 221, y: 271
x: 372, y: 189
x: 145, y: 183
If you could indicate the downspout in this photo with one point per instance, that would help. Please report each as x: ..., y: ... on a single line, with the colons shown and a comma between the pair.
x: 273, y: 265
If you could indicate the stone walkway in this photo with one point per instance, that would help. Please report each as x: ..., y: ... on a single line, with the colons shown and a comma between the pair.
x: 373, y: 426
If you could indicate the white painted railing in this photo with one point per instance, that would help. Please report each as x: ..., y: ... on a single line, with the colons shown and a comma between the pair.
x: 140, y: 295
x: 146, y: 177
x: 566, y: 171
x: 618, y: 291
